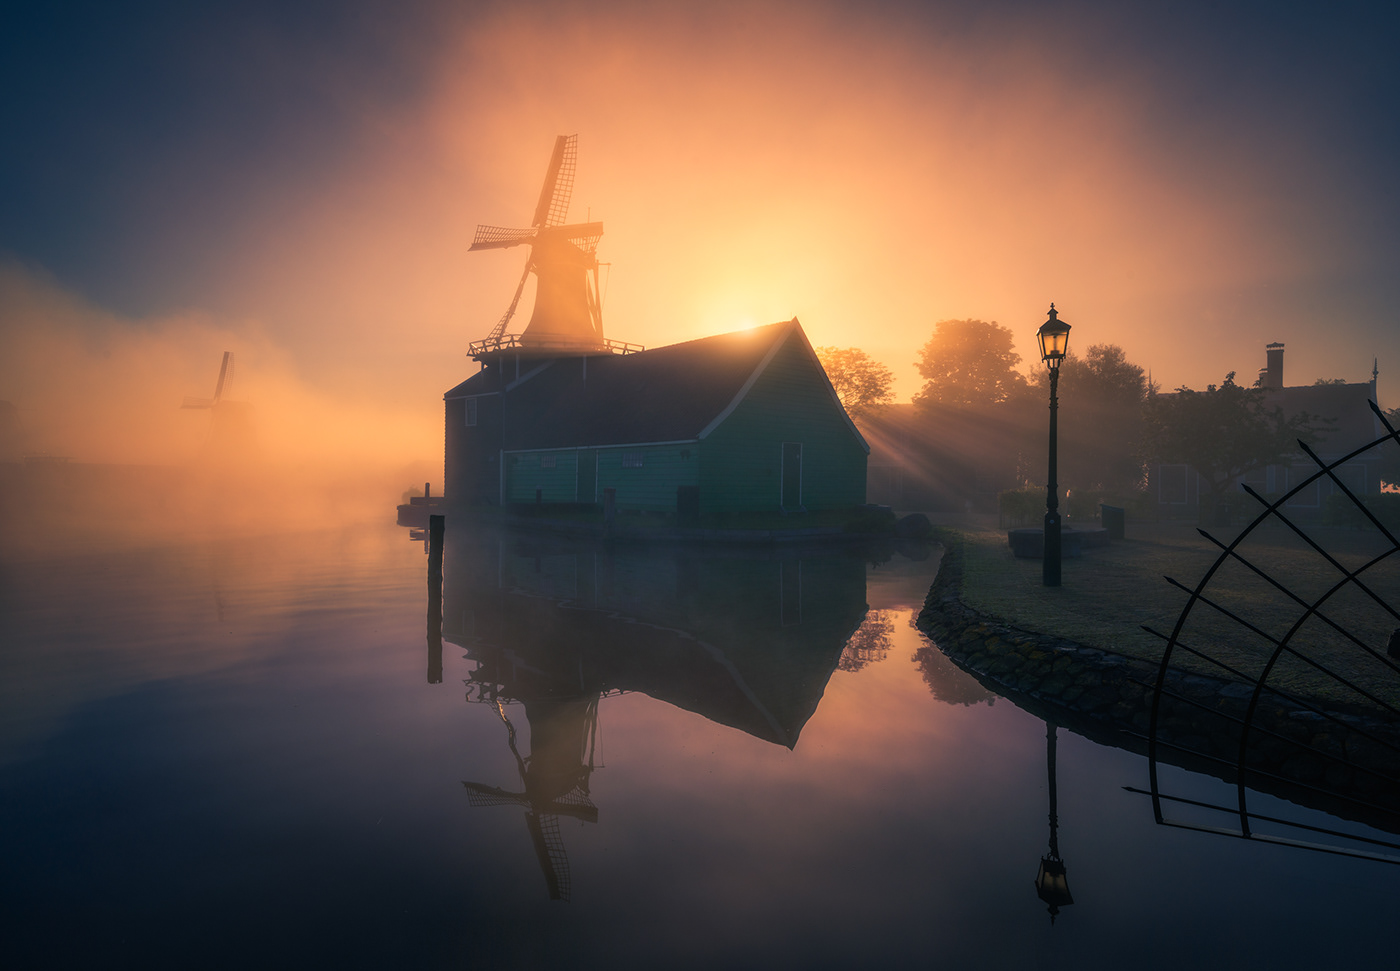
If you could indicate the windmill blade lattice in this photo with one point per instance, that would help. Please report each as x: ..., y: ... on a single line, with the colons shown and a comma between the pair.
x: 558, y: 188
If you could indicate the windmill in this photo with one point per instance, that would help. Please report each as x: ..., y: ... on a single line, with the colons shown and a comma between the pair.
x: 223, y: 384
x: 555, y: 777
x: 563, y: 258
x: 232, y: 421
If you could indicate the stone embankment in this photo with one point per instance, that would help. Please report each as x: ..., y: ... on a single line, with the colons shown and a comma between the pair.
x: 1108, y: 697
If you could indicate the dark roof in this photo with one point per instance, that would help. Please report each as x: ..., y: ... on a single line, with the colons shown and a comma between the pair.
x: 668, y: 394
x: 1348, y: 405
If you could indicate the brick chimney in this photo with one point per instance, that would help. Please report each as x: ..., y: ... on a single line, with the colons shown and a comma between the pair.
x: 1273, y: 374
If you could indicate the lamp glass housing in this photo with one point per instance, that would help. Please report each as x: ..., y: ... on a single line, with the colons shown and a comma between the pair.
x: 1054, y: 339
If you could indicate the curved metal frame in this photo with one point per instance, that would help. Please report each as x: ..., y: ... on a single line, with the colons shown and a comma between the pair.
x: 1243, y: 772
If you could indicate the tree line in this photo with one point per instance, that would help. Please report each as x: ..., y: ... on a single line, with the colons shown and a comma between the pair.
x: 1112, y: 420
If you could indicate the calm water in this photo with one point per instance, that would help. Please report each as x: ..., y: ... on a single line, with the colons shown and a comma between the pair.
x: 251, y: 753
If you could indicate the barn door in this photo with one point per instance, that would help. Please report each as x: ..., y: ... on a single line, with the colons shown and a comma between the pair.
x: 792, y: 475
x: 588, y: 476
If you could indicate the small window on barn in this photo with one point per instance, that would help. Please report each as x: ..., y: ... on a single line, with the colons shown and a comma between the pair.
x: 471, y: 412
x: 631, y: 460
x: 547, y: 461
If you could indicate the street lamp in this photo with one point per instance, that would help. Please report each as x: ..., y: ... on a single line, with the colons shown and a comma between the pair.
x: 1054, y: 344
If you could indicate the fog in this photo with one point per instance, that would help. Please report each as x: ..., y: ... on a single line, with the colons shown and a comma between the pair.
x: 95, y: 433
x: 870, y: 174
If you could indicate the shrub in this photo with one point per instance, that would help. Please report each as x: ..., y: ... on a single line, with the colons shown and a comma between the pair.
x: 1021, y: 507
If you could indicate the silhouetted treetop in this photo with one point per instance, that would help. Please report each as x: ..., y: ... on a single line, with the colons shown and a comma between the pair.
x: 861, y: 382
x: 969, y: 363
x: 1223, y: 432
x: 1101, y: 400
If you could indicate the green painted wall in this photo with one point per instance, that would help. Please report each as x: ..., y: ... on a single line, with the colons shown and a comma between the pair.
x: 525, y: 472
x: 653, y: 486
x: 650, y: 487
x: 741, y: 460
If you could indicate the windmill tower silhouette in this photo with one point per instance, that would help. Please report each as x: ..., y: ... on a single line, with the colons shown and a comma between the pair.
x: 567, y: 316
x: 231, y: 421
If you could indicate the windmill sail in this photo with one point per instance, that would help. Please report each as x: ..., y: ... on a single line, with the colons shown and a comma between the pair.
x: 223, y: 384
x: 567, y: 314
x: 553, y: 207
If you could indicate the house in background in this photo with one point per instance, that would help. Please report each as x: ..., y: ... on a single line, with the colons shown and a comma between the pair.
x: 1177, y: 489
x: 745, y: 421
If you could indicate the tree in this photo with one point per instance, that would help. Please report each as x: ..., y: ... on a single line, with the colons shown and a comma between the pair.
x: 968, y: 363
x: 870, y: 642
x: 861, y: 382
x: 1101, y: 400
x: 1222, y: 432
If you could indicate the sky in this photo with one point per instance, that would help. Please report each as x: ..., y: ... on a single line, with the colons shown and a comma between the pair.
x: 300, y: 182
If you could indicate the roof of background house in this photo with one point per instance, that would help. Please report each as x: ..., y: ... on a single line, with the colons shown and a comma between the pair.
x: 1348, y: 405
x: 668, y: 394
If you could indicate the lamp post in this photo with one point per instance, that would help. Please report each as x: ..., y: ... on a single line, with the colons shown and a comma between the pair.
x: 1054, y: 342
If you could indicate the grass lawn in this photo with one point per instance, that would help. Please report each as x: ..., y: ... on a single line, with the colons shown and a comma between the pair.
x: 1108, y: 594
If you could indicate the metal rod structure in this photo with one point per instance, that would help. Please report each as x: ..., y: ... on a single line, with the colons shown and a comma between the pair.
x: 1050, y: 559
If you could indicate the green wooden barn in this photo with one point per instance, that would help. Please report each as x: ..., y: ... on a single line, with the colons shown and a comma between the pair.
x: 739, y: 422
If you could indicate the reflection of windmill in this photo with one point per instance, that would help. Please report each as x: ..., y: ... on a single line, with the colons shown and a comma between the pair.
x: 232, y: 420
x: 563, y: 259
x: 555, y: 776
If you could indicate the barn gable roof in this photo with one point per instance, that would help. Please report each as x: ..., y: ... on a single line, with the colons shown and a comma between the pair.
x: 675, y: 393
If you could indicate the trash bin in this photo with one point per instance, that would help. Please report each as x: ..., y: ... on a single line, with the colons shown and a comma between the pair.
x: 1114, y: 518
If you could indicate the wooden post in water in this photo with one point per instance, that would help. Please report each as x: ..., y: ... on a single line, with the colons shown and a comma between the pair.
x: 436, y: 528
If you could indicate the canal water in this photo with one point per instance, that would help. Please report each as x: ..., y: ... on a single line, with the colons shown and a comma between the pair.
x: 282, y: 751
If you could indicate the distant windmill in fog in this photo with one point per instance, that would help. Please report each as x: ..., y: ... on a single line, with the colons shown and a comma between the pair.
x: 225, y: 381
x: 232, y: 420
x: 563, y: 259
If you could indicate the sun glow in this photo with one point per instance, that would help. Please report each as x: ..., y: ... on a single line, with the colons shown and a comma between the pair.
x: 869, y: 176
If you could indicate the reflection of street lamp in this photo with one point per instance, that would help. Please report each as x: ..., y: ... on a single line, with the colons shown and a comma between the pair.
x: 1054, y: 342
x: 1050, y: 883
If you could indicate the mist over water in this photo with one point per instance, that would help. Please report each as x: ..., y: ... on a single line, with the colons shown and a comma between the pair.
x: 95, y: 443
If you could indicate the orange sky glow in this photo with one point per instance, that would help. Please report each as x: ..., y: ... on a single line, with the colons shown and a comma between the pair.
x: 749, y: 164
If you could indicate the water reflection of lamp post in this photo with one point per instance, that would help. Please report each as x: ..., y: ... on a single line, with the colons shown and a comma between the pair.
x: 1050, y: 883
x: 1054, y: 342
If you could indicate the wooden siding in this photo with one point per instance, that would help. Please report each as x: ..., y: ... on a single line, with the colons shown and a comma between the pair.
x: 650, y: 487
x: 471, y: 462
x: 526, y: 472
x: 741, y: 460
x: 653, y: 486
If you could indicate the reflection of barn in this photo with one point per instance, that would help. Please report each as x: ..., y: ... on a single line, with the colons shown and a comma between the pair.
x: 745, y: 642
x: 1178, y: 490
x: 741, y: 421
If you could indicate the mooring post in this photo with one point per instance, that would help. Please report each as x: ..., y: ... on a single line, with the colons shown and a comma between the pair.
x: 436, y: 528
